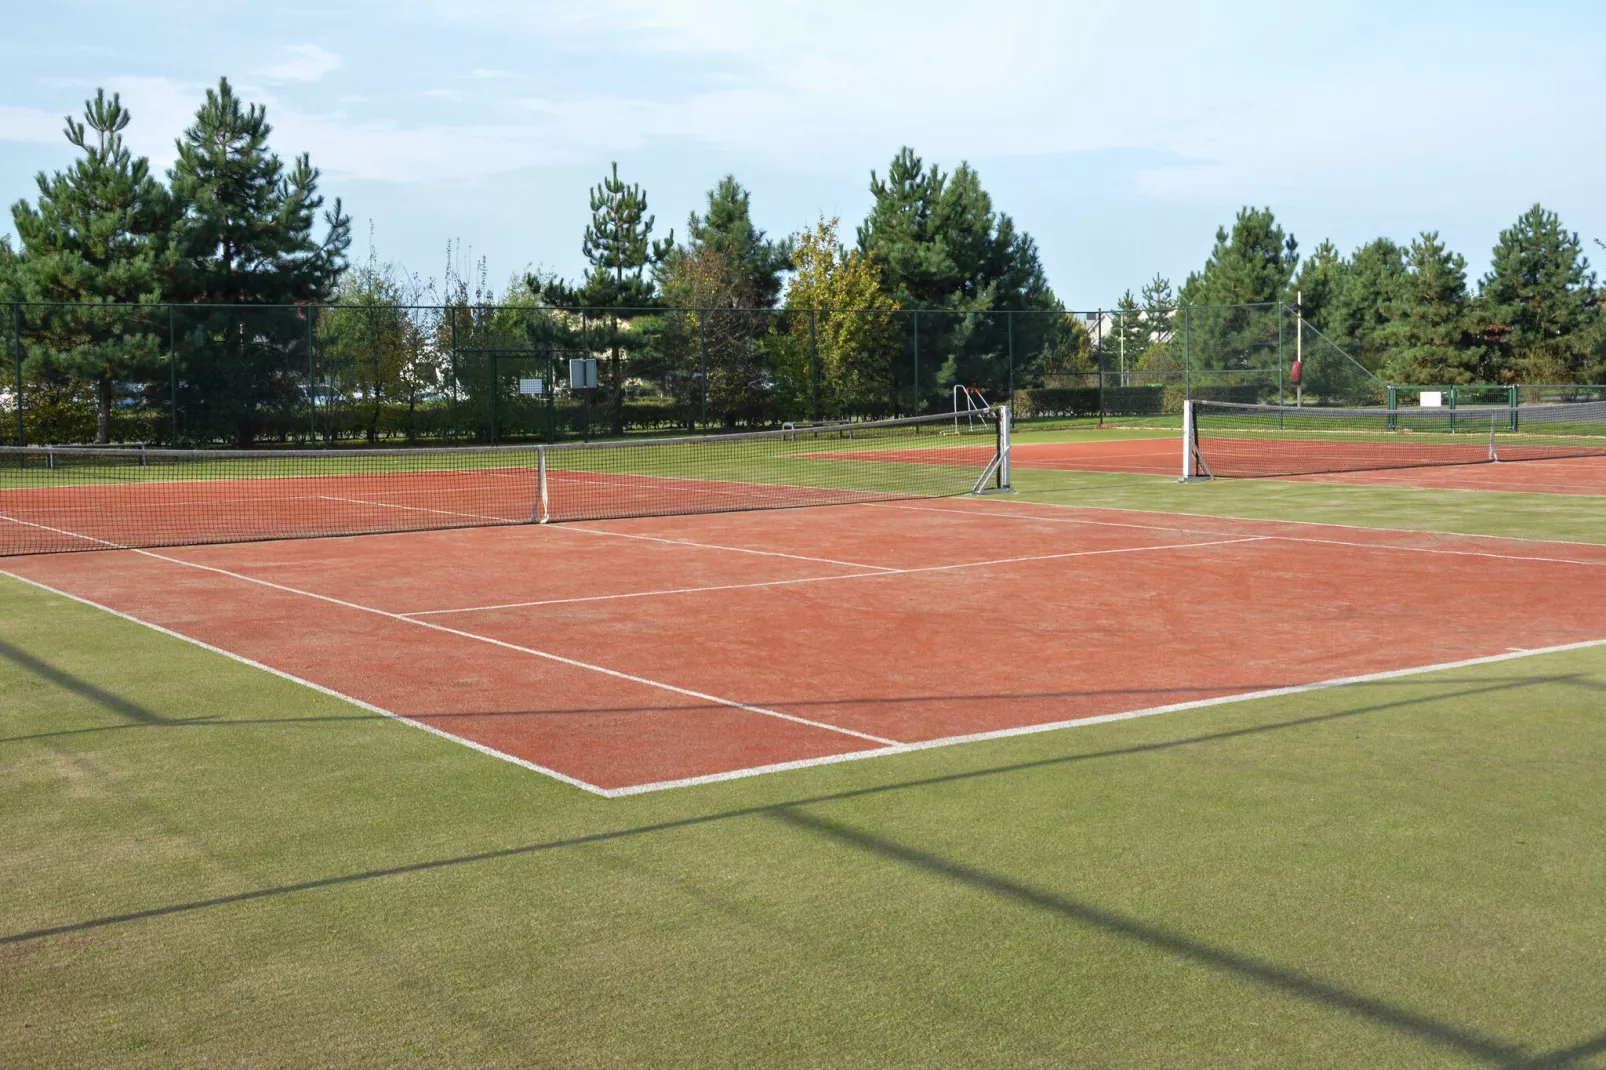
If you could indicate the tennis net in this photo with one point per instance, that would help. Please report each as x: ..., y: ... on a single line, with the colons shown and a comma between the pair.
x: 1250, y: 441
x: 64, y: 499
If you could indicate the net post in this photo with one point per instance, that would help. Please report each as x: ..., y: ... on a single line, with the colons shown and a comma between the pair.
x: 1494, y: 424
x: 542, y: 511
x: 1005, y: 429
x: 1190, y: 458
x: 1187, y: 440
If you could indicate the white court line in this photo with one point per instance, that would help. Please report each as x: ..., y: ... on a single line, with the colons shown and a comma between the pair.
x: 422, y: 509
x: 1054, y: 726
x: 64, y: 531
x: 547, y: 655
x: 712, y: 546
x: 849, y: 756
x: 1029, y: 517
x: 482, y: 748
x: 847, y: 576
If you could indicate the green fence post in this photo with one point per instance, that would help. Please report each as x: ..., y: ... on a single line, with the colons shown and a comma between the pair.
x: 16, y: 349
x: 1282, y: 309
x: 814, y: 365
x: 1009, y: 382
x: 1452, y: 410
x: 702, y: 362
x: 172, y: 376
x: 1394, y: 407
x: 917, y: 362
x: 1187, y: 359
x: 1098, y: 360
x: 451, y: 397
x: 1512, y: 402
x: 312, y: 381
x: 496, y: 388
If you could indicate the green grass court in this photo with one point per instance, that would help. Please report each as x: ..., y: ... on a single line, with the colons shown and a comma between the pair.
x: 204, y: 864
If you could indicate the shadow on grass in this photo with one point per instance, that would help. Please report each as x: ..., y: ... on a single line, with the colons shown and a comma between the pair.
x: 1444, y: 1034
x: 138, y: 717
x: 1246, y: 967
x: 1564, y: 1057
x: 133, y: 713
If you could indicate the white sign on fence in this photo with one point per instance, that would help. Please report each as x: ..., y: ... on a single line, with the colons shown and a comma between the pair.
x: 582, y: 373
x: 1432, y: 399
x: 531, y: 386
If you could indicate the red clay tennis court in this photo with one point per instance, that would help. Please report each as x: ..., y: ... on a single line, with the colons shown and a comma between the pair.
x: 628, y: 655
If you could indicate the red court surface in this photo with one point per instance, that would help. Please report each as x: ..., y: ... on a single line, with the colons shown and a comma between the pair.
x: 1575, y: 475
x: 629, y: 655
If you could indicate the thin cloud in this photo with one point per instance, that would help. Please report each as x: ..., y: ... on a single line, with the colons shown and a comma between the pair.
x: 302, y: 63
x: 30, y: 125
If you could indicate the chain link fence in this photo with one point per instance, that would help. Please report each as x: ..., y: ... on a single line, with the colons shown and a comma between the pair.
x: 356, y: 374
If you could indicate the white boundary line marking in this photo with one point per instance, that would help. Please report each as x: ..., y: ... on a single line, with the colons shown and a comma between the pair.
x: 482, y: 748
x: 846, y: 576
x: 712, y: 546
x: 848, y: 756
x: 422, y: 509
x: 63, y: 531
x: 995, y: 514
x: 546, y: 655
x: 1054, y: 726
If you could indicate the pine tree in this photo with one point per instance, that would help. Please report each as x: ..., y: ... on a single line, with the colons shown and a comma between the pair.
x: 97, y: 237
x: 1253, y: 263
x: 247, y: 229
x: 1540, y: 300
x: 1160, y: 305
x: 941, y: 245
x: 619, y: 244
x: 1127, y: 335
x: 246, y: 235
x: 1360, y: 310
x: 726, y: 231
x: 1431, y: 333
x: 730, y: 273
x: 1250, y: 269
x: 1319, y: 283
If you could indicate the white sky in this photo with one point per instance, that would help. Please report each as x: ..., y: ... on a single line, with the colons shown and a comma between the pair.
x: 1118, y: 135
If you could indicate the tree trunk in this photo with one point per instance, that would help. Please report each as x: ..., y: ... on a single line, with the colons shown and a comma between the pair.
x: 103, y: 410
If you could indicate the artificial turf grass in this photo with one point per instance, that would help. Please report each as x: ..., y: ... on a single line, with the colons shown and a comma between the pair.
x: 1106, y: 893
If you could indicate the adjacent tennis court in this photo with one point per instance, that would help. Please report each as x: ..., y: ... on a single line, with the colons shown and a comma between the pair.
x: 1536, y: 449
